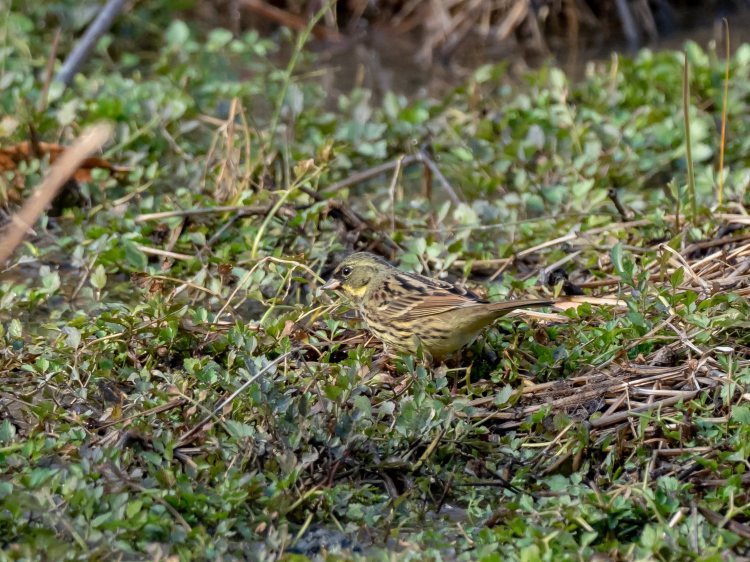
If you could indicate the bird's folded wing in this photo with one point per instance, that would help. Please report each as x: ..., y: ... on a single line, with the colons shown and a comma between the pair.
x: 428, y: 305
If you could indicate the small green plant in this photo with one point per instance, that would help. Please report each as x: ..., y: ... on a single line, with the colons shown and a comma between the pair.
x: 173, y: 384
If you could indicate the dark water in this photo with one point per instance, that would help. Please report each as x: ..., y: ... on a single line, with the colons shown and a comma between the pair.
x: 382, y: 61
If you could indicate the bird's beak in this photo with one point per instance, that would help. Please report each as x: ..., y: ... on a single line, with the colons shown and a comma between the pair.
x: 332, y: 285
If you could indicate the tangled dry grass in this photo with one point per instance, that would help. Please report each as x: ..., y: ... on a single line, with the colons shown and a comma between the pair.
x: 443, y: 27
x: 620, y: 398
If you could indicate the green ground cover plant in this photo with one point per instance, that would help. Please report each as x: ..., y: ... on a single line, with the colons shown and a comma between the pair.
x: 173, y: 383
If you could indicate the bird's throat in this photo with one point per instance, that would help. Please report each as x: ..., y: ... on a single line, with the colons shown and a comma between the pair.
x: 358, y: 293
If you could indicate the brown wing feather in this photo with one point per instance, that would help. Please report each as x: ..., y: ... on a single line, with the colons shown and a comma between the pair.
x: 411, y: 297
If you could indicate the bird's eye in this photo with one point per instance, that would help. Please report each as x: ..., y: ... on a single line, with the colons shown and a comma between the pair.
x: 346, y: 271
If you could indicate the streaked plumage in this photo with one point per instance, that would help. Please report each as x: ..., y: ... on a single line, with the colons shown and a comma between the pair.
x: 406, y: 310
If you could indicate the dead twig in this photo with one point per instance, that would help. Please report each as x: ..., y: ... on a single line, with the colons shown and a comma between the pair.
x: 716, y: 519
x: 352, y: 221
x: 615, y: 198
x: 155, y: 410
x: 370, y: 173
x: 613, y: 419
x: 423, y: 157
x: 164, y: 253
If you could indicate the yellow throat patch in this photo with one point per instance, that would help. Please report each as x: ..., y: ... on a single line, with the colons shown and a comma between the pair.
x: 358, y: 292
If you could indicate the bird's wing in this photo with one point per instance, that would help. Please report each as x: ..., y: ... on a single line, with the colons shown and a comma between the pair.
x: 412, y: 296
x: 439, y: 303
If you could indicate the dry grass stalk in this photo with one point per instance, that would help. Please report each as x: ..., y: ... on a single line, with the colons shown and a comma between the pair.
x: 234, y: 163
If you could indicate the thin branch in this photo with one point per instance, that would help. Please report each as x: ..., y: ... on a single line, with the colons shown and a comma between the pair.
x: 288, y: 19
x: 444, y: 183
x: 42, y: 102
x: 82, y: 49
x: 370, y: 173
x: 163, y: 253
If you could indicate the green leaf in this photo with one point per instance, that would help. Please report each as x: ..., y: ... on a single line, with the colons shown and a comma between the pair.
x: 391, y: 105
x: 7, y: 431
x: 504, y: 395
x: 535, y: 204
x: 218, y: 39
x: 50, y: 282
x: 582, y: 187
x: 135, y: 258
x: 133, y: 508
x: 463, y: 153
x: 676, y: 278
x: 741, y: 414
x: 623, y: 267
x: 99, y: 277
x: 362, y: 403
x: 178, y: 33
x: 40, y: 476
x: 239, y: 430
x: 101, y: 519
x: 617, y: 258
x: 73, y: 336
x: 15, y: 329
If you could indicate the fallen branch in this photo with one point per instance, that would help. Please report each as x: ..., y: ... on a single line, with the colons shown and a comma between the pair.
x: 420, y: 156
x: 352, y: 221
x: 716, y: 519
x: 60, y: 172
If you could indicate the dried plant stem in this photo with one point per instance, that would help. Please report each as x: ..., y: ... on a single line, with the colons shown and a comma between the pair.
x: 725, y: 101
x: 301, y: 41
x: 688, y: 142
x: 241, y: 209
x: 42, y: 102
x: 163, y: 253
x: 288, y: 19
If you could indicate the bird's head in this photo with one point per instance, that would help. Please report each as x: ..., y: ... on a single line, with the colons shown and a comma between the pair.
x: 356, y: 273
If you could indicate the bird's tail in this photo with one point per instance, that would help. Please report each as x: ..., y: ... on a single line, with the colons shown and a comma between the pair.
x: 505, y: 307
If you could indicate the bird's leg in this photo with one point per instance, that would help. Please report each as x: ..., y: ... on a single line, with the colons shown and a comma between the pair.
x: 379, y: 371
x: 380, y: 360
x: 384, y: 360
x: 454, y: 367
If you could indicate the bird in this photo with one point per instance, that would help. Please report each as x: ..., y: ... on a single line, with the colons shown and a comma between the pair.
x: 408, y: 311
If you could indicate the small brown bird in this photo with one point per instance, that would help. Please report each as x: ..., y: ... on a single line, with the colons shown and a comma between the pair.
x: 406, y: 310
